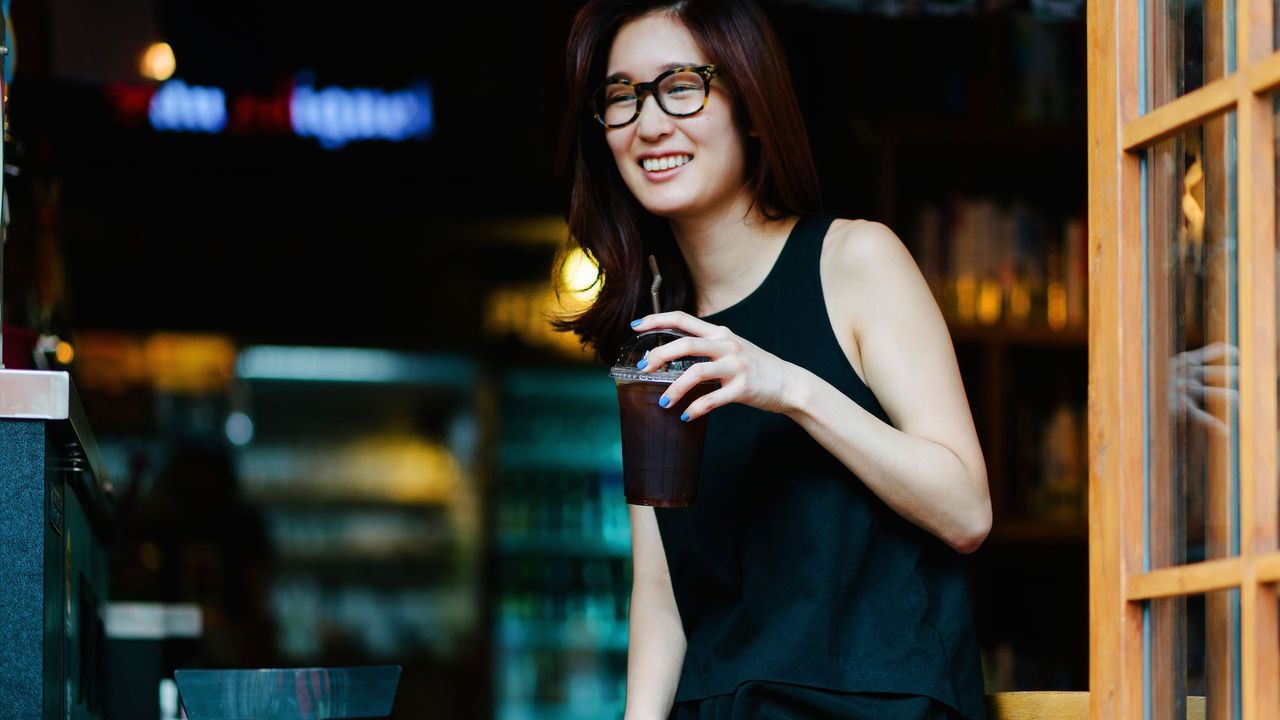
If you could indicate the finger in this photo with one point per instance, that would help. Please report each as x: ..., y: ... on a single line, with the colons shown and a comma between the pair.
x: 1184, y: 408
x: 676, y: 320
x: 1218, y: 351
x: 1220, y: 375
x: 1210, y: 421
x: 712, y: 400
x: 658, y: 357
x: 699, y: 373
x: 1217, y: 394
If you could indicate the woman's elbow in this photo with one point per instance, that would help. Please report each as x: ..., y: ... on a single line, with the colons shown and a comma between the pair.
x: 970, y: 536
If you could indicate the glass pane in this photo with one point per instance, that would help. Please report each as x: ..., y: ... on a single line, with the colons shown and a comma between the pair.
x: 1193, y: 656
x: 1190, y: 315
x: 1189, y: 44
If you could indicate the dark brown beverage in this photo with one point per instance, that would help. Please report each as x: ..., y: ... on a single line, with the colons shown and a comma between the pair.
x: 661, y: 455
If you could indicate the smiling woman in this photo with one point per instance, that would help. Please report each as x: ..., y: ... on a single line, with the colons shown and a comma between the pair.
x: 819, y: 573
x: 611, y: 221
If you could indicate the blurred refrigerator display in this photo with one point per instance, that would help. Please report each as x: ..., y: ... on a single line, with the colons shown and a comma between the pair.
x: 363, y: 464
x: 562, y: 550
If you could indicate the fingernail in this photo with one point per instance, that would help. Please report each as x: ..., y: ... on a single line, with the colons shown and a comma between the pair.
x: 636, y: 323
x: 642, y: 364
x: 664, y: 401
x: 684, y: 417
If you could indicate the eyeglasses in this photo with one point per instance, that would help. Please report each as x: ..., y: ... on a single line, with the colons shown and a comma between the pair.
x: 680, y: 92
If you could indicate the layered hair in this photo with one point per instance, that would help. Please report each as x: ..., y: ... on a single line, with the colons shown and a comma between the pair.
x: 605, y: 219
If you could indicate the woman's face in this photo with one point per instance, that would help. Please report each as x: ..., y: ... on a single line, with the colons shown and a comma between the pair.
x: 712, y: 145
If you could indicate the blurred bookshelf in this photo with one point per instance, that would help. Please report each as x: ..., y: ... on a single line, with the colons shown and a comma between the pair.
x: 1013, y: 285
x: 985, y: 181
x: 1011, y: 279
x: 562, y: 548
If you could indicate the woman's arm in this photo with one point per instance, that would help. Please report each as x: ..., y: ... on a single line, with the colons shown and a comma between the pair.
x: 927, y: 465
x: 655, y: 651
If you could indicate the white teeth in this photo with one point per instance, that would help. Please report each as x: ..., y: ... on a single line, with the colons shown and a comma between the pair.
x: 664, y: 163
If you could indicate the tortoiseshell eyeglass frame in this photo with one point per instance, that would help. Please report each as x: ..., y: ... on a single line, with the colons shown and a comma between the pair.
x: 707, y: 72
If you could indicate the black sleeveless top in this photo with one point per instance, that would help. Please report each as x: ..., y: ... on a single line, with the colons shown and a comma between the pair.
x: 787, y: 568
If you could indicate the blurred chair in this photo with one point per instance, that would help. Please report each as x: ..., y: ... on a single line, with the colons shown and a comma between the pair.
x: 289, y: 693
x: 1038, y: 706
x: 1057, y: 706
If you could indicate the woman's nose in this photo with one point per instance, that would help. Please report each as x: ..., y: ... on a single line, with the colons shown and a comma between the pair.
x: 653, y: 122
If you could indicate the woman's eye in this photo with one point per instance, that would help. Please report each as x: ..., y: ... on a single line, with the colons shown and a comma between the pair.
x: 619, y: 99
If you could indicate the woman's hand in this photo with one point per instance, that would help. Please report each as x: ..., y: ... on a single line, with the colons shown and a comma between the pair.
x: 747, y: 374
x: 1204, y: 385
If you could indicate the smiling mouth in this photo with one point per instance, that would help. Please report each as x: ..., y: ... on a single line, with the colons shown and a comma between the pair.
x: 668, y: 162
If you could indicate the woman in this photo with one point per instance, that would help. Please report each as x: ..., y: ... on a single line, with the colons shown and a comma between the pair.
x: 819, y: 574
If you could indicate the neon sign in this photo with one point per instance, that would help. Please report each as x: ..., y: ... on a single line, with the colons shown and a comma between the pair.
x: 177, y: 106
x: 333, y: 116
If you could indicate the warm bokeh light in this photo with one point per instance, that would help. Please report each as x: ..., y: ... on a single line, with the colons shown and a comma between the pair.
x: 64, y: 353
x: 158, y: 62
x: 383, y: 468
x: 580, y: 276
x: 1057, y: 306
x: 989, y: 302
x: 189, y: 363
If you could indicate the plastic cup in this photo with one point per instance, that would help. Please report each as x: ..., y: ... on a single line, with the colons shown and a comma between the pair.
x: 661, y: 455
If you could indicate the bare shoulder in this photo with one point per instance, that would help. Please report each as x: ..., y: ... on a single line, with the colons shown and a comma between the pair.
x: 866, y: 250
x: 872, y: 288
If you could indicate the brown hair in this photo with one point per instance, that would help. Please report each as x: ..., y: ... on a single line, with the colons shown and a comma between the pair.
x: 606, y: 220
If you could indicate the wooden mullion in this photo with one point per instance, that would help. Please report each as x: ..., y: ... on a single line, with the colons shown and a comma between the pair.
x: 1181, y: 114
x: 1203, y: 577
x: 1264, y: 75
x: 1267, y: 568
x: 1115, y: 364
x: 1162, y: 439
x: 1216, y: 159
x: 1259, y: 649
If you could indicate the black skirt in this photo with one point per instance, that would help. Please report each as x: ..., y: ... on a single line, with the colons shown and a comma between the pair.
x: 779, y: 701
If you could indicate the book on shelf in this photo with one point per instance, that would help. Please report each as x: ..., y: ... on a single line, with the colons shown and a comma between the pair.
x: 990, y: 263
x: 1044, y: 79
x: 1059, y: 491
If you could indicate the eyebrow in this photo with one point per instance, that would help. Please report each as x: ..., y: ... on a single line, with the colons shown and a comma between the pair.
x: 669, y: 66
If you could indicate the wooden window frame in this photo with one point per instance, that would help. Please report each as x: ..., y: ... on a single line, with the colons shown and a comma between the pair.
x: 1119, y: 133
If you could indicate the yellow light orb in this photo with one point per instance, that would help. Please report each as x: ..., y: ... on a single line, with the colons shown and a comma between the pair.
x: 64, y: 353
x: 580, y: 276
x: 158, y: 63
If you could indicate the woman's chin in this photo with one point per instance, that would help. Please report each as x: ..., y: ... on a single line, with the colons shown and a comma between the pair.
x: 669, y: 207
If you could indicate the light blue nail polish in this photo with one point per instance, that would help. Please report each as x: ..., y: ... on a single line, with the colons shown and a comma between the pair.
x: 664, y: 401
x: 684, y: 417
x: 642, y: 364
x: 636, y: 323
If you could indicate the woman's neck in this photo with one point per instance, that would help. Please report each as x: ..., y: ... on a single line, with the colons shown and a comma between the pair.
x: 729, y: 252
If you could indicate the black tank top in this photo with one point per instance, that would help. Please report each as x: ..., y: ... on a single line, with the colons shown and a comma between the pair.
x: 787, y: 568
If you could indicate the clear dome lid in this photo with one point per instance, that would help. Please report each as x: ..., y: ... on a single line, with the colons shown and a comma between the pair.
x: 637, y: 349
